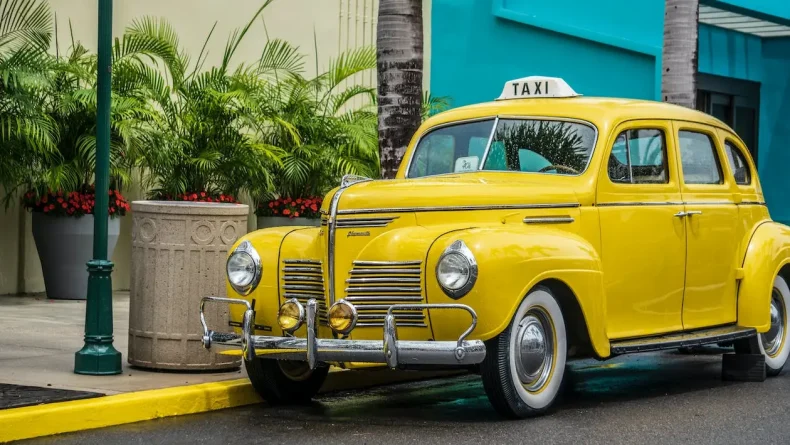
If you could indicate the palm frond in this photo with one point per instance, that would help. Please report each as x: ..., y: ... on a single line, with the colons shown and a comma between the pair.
x: 25, y: 23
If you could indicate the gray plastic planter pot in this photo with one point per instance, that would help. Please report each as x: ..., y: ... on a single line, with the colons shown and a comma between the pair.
x: 264, y: 222
x: 65, y: 245
x: 179, y: 251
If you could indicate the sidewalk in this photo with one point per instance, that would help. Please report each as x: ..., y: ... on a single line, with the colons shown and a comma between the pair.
x: 38, y: 339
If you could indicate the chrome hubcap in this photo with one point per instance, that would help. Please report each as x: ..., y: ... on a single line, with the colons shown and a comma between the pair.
x: 772, y: 340
x: 534, y: 349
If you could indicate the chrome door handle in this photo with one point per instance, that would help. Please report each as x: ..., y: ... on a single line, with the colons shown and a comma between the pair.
x: 682, y: 213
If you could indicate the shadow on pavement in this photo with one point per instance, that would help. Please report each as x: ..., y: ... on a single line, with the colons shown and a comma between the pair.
x: 462, y: 399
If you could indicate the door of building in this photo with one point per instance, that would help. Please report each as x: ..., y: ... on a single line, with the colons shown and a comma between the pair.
x: 735, y: 102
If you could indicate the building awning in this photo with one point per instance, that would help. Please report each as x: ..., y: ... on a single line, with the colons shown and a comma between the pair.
x: 741, y: 23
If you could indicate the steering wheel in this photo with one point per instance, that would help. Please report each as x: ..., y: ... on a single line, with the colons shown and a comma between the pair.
x: 558, y: 167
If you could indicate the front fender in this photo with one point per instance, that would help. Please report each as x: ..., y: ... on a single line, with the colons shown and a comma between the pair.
x: 767, y: 253
x: 268, y: 243
x: 510, y: 263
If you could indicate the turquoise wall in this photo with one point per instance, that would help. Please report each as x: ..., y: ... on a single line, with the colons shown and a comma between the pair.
x: 774, y: 146
x: 597, y: 47
x: 480, y: 44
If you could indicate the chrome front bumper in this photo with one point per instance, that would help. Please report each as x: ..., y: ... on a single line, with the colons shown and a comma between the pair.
x: 389, y: 350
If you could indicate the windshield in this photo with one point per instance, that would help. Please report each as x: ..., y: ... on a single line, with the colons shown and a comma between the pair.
x: 525, y: 145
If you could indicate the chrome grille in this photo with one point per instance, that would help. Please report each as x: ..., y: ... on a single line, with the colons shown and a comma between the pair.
x: 373, y: 286
x: 303, y: 280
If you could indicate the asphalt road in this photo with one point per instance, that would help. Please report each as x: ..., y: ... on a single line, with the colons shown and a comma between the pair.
x: 640, y: 399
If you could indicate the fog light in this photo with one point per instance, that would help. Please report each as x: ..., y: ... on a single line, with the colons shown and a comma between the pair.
x: 291, y: 315
x: 342, y: 317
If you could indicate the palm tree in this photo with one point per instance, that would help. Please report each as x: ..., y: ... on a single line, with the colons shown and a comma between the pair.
x: 678, y: 80
x: 400, y: 62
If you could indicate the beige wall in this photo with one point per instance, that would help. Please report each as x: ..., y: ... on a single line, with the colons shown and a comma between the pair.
x: 330, y: 26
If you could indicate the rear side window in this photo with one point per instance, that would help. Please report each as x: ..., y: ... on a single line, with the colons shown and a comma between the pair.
x: 639, y: 156
x: 740, y: 168
x: 699, y: 159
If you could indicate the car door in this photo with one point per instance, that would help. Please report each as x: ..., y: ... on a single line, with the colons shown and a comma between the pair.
x: 643, y: 245
x: 711, y: 215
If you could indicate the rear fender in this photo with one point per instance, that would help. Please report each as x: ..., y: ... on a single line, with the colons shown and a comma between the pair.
x: 767, y: 253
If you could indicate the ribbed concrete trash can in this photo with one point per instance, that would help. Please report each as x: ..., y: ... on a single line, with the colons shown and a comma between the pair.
x: 178, y: 257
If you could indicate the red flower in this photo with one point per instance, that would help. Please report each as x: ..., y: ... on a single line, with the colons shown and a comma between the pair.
x: 271, y: 205
x: 314, y: 208
x: 64, y: 205
x: 298, y: 200
x: 286, y: 212
x: 296, y: 214
x: 203, y: 194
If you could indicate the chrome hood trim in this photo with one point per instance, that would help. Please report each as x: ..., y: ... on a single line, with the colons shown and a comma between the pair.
x: 345, y: 183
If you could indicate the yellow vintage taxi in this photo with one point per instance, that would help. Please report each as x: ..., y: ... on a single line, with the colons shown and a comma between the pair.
x: 518, y: 234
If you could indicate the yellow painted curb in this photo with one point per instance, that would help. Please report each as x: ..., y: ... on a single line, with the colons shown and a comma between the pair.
x: 78, y: 415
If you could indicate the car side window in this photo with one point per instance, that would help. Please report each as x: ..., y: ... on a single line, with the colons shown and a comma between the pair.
x: 698, y: 158
x: 740, y: 168
x: 639, y: 156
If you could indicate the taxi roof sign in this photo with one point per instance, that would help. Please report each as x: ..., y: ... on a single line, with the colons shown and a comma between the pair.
x: 536, y: 86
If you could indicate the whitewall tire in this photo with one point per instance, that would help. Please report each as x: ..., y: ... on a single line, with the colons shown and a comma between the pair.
x: 525, y: 364
x: 774, y: 342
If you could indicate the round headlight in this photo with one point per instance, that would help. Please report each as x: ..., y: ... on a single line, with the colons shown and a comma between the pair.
x: 244, y: 268
x: 453, y: 271
x: 291, y: 315
x: 456, y: 270
x: 342, y: 317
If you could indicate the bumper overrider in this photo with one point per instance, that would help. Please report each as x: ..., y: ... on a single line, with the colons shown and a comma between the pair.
x: 389, y: 350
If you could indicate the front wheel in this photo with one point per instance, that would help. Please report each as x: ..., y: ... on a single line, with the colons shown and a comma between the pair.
x: 773, y: 344
x: 283, y: 382
x: 525, y: 364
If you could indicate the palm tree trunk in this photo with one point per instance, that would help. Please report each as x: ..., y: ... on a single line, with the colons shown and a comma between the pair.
x: 399, y: 43
x: 678, y: 80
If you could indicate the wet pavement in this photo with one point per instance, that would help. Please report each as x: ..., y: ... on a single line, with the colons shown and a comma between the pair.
x: 645, y: 399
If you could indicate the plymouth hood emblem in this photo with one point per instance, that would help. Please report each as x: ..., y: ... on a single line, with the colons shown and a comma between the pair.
x: 353, y: 233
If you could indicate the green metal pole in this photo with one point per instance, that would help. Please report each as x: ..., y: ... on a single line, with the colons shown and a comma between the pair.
x: 99, y: 356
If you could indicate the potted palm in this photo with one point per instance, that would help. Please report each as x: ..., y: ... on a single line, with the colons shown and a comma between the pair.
x: 324, y: 128
x: 28, y: 131
x: 59, y: 185
x: 201, y: 157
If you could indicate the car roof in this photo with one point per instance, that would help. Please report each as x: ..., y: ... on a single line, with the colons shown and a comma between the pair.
x: 596, y: 110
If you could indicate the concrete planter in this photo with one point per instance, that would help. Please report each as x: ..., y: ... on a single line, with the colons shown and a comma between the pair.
x: 264, y: 222
x: 65, y: 245
x: 179, y: 251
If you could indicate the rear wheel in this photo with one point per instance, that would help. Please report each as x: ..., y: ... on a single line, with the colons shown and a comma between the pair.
x: 282, y: 382
x: 772, y: 344
x: 525, y: 364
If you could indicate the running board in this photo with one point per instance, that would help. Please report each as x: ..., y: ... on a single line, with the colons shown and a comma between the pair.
x: 682, y: 339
